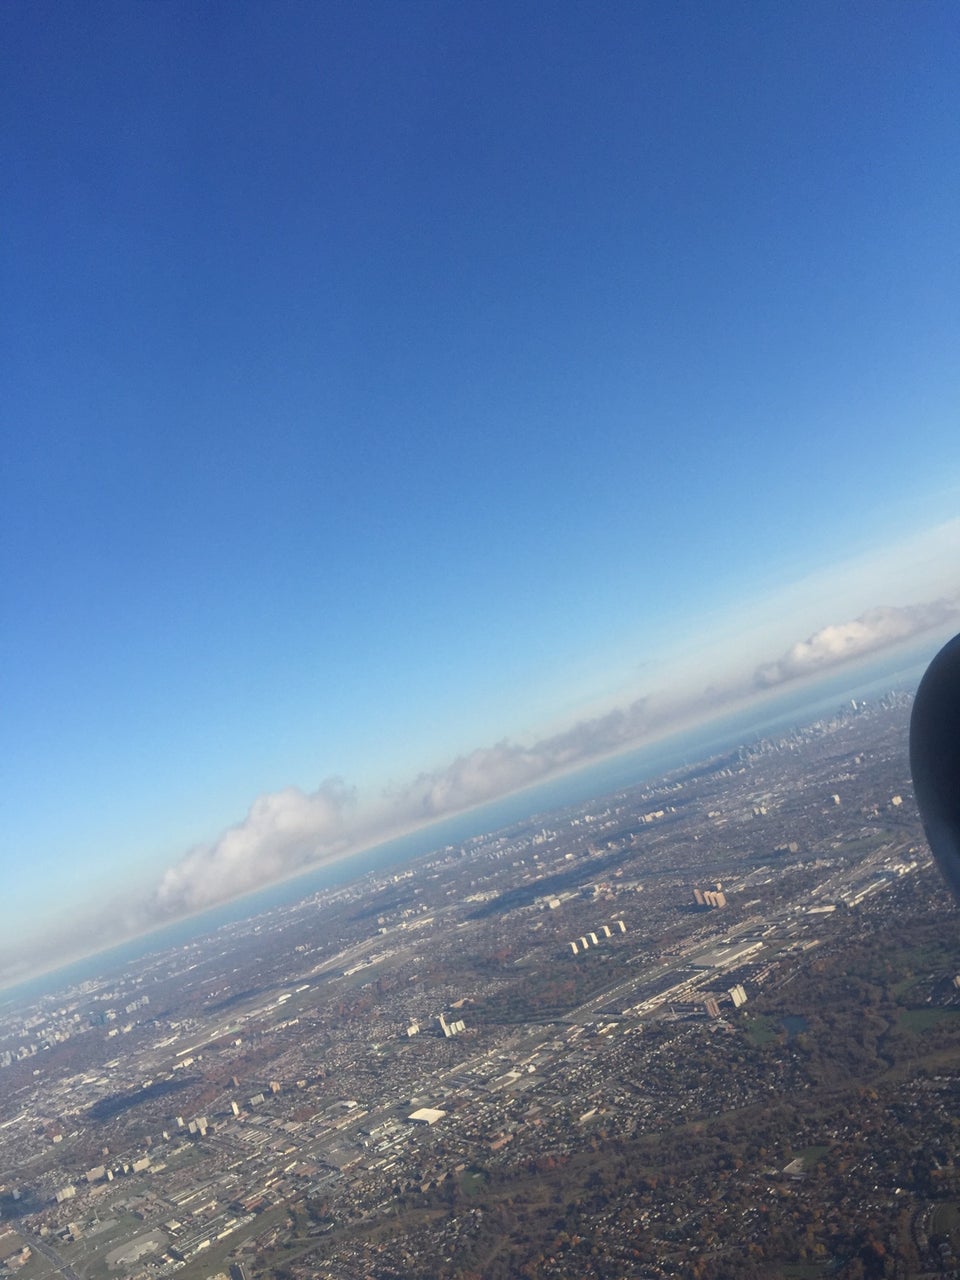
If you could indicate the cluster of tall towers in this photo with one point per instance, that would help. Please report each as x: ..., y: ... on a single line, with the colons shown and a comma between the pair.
x: 594, y: 939
x: 710, y: 897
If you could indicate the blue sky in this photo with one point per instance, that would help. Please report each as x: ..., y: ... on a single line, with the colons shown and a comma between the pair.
x: 386, y: 382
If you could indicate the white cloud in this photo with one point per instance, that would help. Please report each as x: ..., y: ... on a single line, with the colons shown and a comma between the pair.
x: 282, y: 832
x: 840, y: 642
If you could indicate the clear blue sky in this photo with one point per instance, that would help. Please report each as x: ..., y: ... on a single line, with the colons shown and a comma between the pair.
x: 383, y: 382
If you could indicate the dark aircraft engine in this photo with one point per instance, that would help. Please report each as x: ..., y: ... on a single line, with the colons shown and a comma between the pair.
x: 935, y: 759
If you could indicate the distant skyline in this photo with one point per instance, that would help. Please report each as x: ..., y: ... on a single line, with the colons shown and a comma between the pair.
x: 410, y: 402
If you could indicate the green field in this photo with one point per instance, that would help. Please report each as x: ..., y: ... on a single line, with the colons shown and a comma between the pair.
x: 472, y: 1182
x: 919, y: 1020
x: 762, y: 1031
x: 812, y: 1155
x: 945, y: 1221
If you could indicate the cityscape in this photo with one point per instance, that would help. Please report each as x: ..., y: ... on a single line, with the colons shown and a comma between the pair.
x: 707, y: 1025
x: 480, y: 489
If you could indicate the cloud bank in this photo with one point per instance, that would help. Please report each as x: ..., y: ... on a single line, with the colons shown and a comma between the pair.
x: 493, y: 771
x: 841, y: 642
x: 287, y: 831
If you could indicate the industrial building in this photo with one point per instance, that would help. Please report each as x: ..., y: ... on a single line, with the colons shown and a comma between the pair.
x: 426, y: 1115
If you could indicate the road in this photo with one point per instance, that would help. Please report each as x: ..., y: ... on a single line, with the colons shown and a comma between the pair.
x: 48, y: 1252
